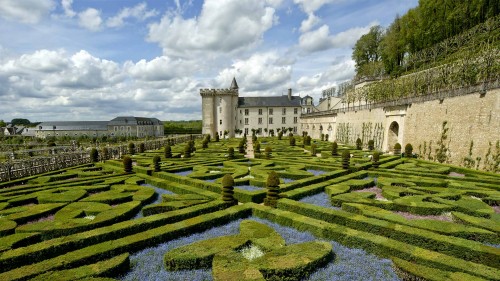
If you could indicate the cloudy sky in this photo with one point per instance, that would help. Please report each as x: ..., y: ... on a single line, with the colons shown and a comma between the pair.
x: 97, y: 59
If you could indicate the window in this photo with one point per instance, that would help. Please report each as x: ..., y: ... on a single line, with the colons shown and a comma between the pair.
x: 270, y: 120
x: 283, y: 120
x: 270, y: 111
x: 260, y: 120
x: 246, y: 131
x: 308, y: 110
x: 295, y: 129
x: 284, y: 111
x: 295, y: 110
x: 295, y: 120
x: 246, y: 112
x: 240, y: 121
x: 246, y: 121
x: 220, y: 122
x: 260, y: 111
x: 116, y: 128
x: 240, y: 111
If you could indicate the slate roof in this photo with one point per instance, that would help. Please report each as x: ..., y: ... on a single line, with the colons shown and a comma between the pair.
x: 274, y: 101
x: 131, y: 120
x: 234, y: 85
x: 73, y: 126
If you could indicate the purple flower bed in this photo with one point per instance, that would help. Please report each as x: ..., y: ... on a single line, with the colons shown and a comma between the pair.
x: 287, y: 180
x: 316, y: 172
x: 321, y: 199
x: 349, y: 264
x: 158, y: 199
x: 210, y: 180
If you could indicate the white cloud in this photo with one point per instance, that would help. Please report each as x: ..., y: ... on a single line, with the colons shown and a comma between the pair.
x: 222, y: 26
x: 68, y: 11
x: 160, y: 69
x: 321, y: 39
x: 139, y: 12
x: 309, y: 23
x: 25, y: 11
x: 310, y: 6
x: 260, y: 72
x: 90, y: 19
x: 340, y: 71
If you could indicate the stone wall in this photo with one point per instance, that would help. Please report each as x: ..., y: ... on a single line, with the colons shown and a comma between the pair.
x: 473, y: 117
x: 469, y: 118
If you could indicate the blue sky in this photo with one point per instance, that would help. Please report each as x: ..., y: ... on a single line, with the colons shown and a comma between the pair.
x: 97, y: 59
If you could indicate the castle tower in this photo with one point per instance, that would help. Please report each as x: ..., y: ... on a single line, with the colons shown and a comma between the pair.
x: 219, y: 110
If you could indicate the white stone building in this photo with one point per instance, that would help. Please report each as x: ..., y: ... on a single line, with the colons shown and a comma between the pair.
x: 225, y: 113
x: 127, y: 126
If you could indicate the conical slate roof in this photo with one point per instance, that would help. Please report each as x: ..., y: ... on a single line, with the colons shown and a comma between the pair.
x: 234, y: 85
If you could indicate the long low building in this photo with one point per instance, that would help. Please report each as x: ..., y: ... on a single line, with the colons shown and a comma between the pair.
x: 127, y: 126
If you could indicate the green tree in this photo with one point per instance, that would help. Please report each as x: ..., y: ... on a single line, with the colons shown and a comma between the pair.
x: 2, y: 123
x: 20, y: 121
x: 366, y: 51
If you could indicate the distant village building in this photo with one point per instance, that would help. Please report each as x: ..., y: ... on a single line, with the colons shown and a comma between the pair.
x: 127, y: 126
x: 224, y: 111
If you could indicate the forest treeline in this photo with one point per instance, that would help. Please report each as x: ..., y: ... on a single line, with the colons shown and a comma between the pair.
x: 182, y: 127
x: 383, y: 51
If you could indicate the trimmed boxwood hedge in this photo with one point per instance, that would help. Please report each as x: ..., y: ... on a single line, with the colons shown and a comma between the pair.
x: 453, y: 246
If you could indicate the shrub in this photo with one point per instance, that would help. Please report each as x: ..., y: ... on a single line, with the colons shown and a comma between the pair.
x: 358, y: 144
x: 256, y: 147
x: 280, y: 135
x: 313, y: 149
x: 307, y: 140
x: 228, y: 189
x: 216, y: 137
x: 127, y: 164
x: 335, y: 147
x: 371, y: 145
x: 191, y: 146
x: 322, y: 137
x: 230, y: 153
x: 408, y: 150
x: 375, y: 159
x: 207, y: 137
x: 326, y: 137
x: 156, y: 163
x: 168, y: 151
x: 241, y: 147
x: 204, y: 143
x: 105, y: 154
x: 187, y: 151
x: 131, y: 148
x: 254, y: 138
x: 94, y: 155
x: 292, y: 141
x: 397, y: 149
x: 273, y: 187
x: 141, y: 147
x: 269, y: 150
x: 346, y: 156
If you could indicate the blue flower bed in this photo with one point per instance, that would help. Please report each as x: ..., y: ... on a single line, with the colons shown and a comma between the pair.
x: 158, y: 199
x: 287, y: 180
x: 248, y: 187
x: 183, y: 173
x: 349, y: 264
x: 316, y: 172
x: 210, y: 180
x: 321, y: 199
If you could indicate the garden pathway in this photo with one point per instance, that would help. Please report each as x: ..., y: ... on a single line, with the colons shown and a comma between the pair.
x: 249, y: 153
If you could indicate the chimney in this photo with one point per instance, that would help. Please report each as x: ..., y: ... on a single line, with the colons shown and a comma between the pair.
x: 290, y: 94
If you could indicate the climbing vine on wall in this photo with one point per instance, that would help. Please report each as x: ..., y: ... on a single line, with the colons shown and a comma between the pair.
x: 378, y: 135
x: 343, y: 132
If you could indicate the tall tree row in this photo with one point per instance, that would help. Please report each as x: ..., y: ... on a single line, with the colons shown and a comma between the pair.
x: 421, y: 27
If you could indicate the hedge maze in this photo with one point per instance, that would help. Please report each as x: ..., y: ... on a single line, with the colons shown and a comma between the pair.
x: 330, y: 214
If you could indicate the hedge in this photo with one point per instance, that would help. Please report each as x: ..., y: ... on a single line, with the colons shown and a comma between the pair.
x: 382, y: 246
x: 50, y: 248
x: 453, y: 246
x: 109, y: 267
x: 131, y: 243
x: 442, y: 227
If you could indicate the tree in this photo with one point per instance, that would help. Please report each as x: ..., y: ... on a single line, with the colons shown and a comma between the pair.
x: 127, y: 164
x: 156, y: 163
x: 94, y: 155
x: 2, y: 123
x: 228, y: 189
x: 20, y: 121
x: 366, y: 51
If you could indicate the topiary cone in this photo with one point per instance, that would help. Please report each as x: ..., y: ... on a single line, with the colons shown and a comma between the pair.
x: 375, y: 159
x: 346, y: 156
x: 168, y: 151
x: 228, y: 189
x: 273, y: 183
x: 334, y: 148
x: 156, y: 163
x: 127, y: 164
